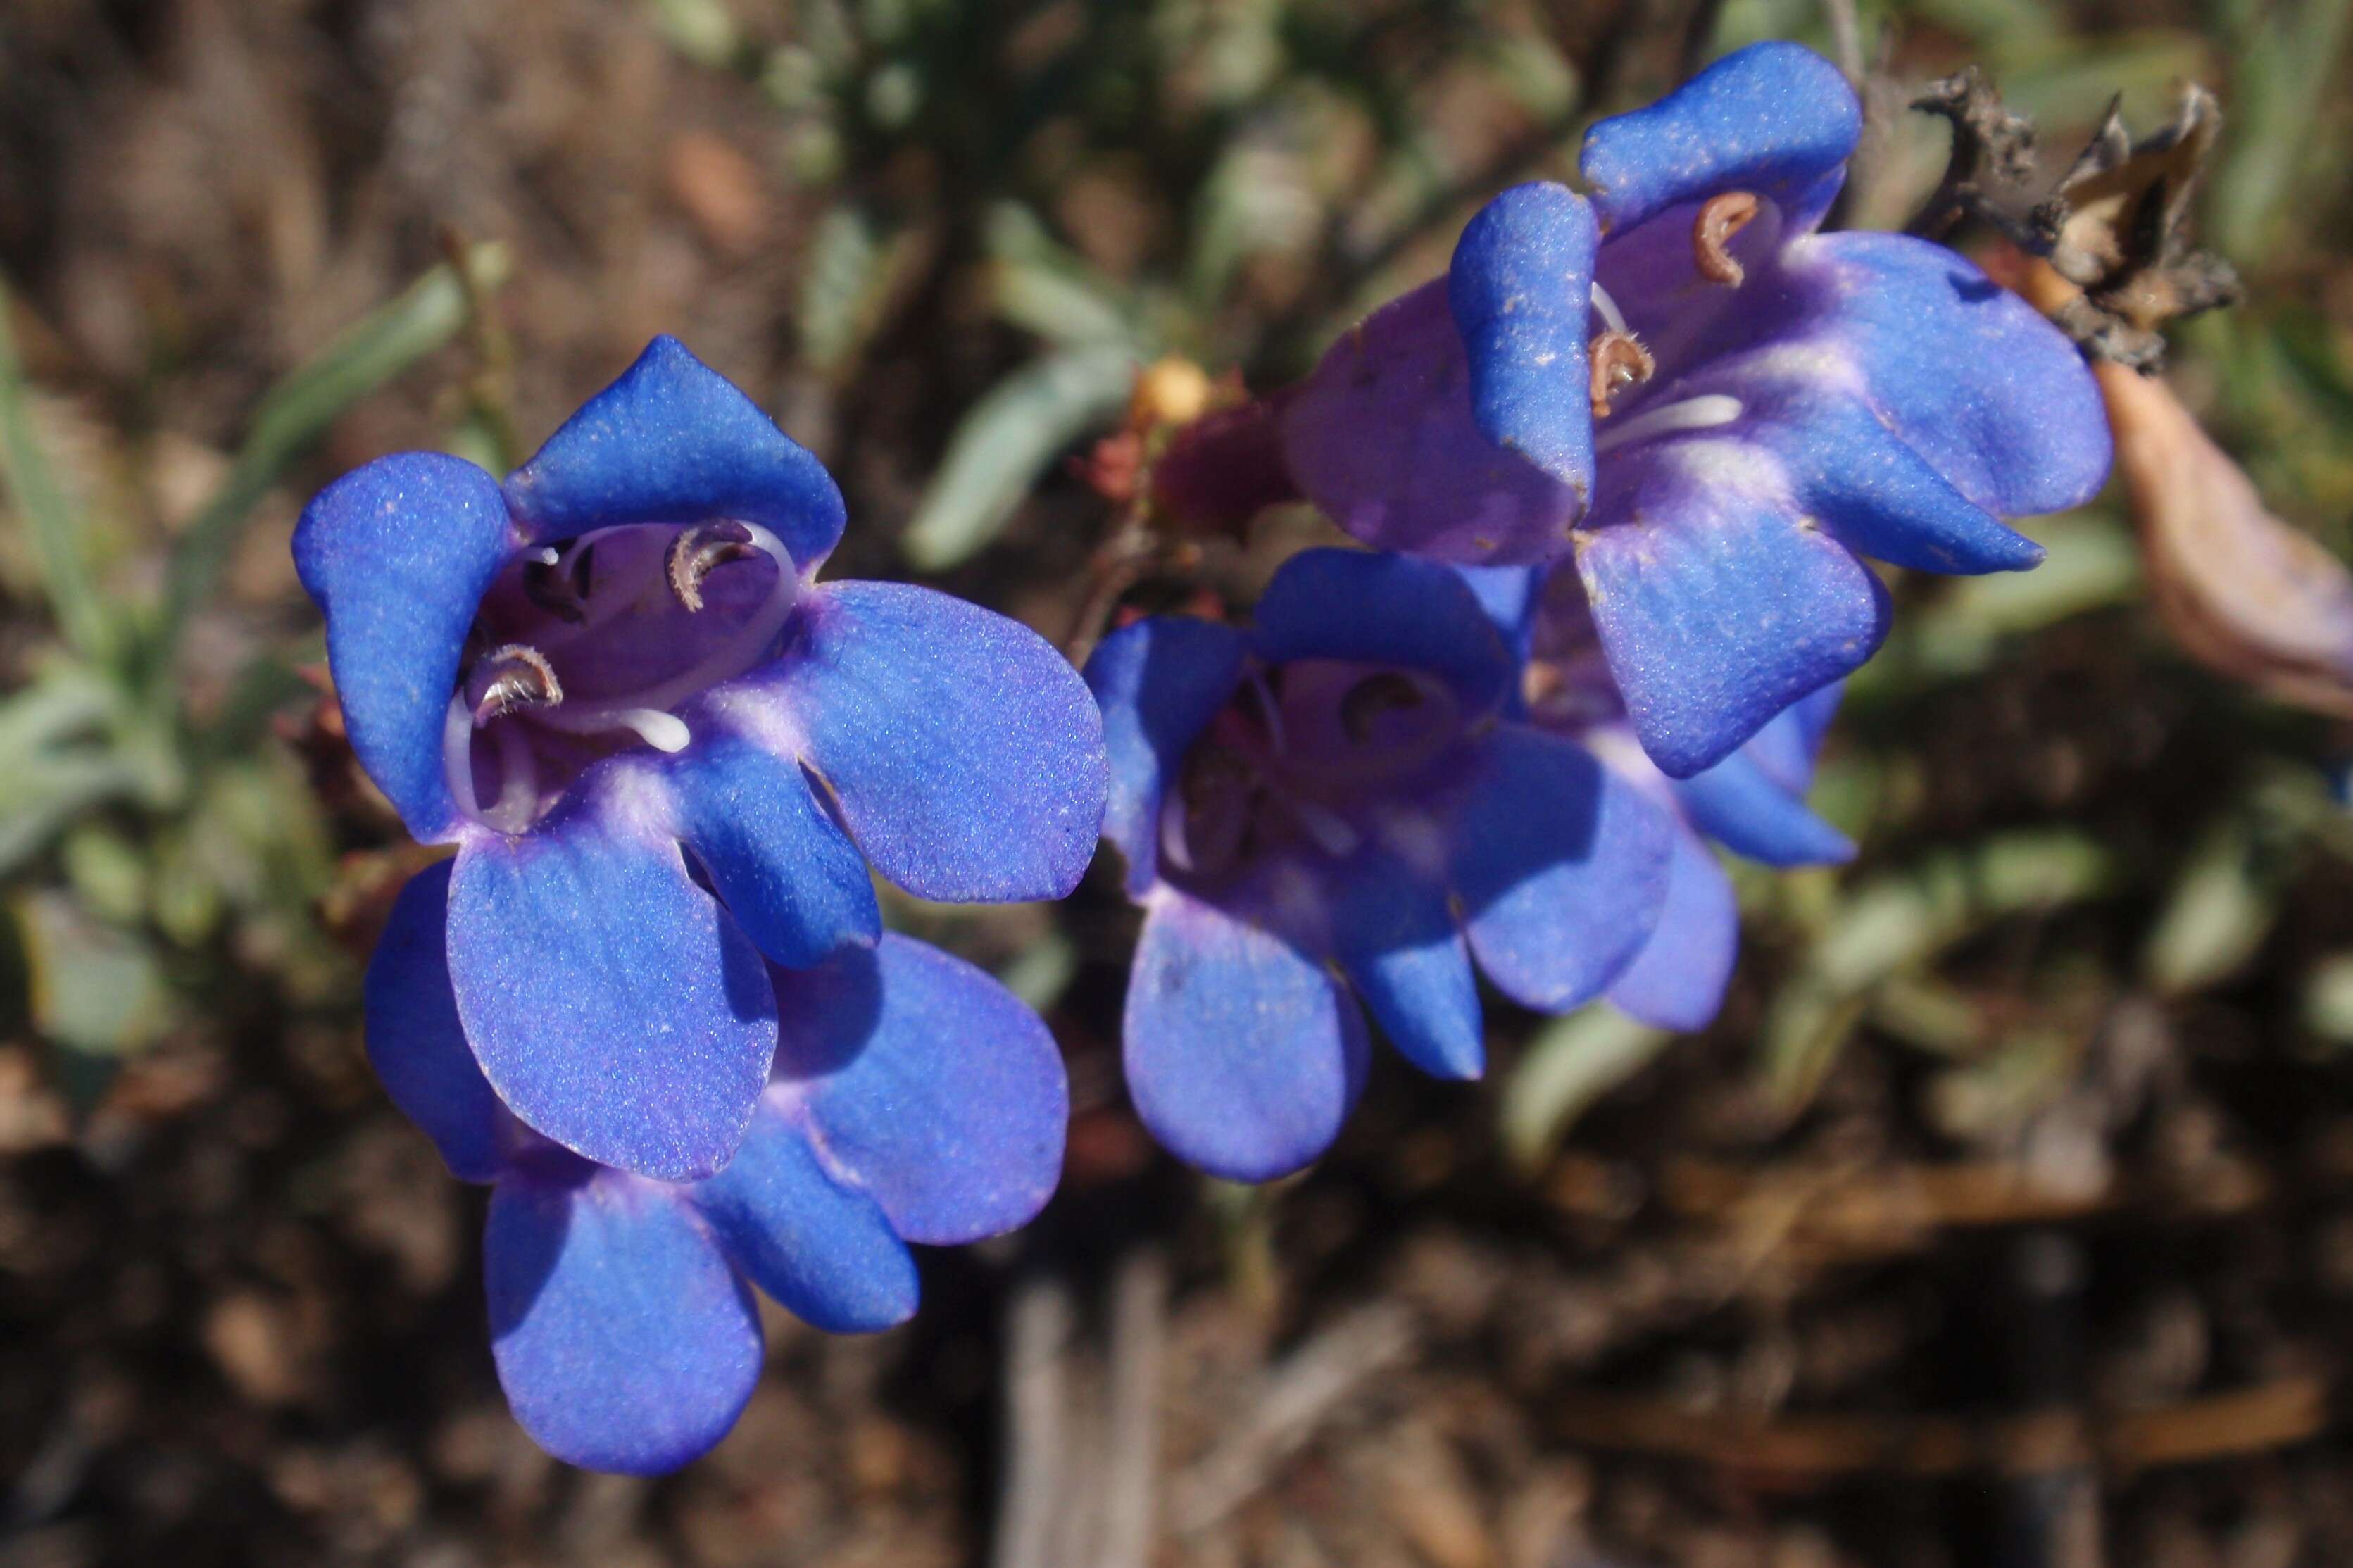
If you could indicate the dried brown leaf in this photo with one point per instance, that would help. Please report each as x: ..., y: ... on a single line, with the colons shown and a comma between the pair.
x: 2241, y: 592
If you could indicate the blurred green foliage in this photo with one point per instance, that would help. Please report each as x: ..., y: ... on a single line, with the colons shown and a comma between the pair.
x: 169, y: 828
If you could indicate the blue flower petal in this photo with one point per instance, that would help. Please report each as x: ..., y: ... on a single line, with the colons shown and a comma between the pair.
x: 1874, y: 491
x: 1381, y: 437
x: 964, y: 753
x: 1559, y: 866
x: 1786, y: 747
x: 1370, y: 608
x: 674, y: 441
x: 1159, y: 682
x: 414, y: 1039
x: 1677, y: 981
x: 398, y: 555
x: 792, y: 880
x: 1513, y: 599
x: 624, y: 1339
x: 614, y: 1006
x: 1967, y: 373
x: 1748, y: 811
x: 928, y: 1085
x: 1717, y: 608
x: 1775, y: 118
x: 825, y: 1251
x: 1244, y: 1055
x: 1520, y: 288
x: 1398, y: 940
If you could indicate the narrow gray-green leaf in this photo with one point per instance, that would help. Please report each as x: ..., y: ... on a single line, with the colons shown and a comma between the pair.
x: 1005, y: 442
x: 2286, y: 66
x: 39, y: 497
x: 373, y: 350
x: 1572, y: 1063
x: 2215, y: 918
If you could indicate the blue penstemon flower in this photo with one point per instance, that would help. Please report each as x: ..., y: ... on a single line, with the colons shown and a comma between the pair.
x: 1753, y: 803
x: 1715, y: 410
x: 667, y: 754
x: 1341, y: 805
x: 912, y: 1098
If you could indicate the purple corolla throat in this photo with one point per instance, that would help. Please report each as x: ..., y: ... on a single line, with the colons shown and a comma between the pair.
x: 542, y: 698
x: 1297, y: 750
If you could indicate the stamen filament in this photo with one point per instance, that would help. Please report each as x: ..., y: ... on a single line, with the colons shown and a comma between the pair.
x: 1328, y: 828
x: 1703, y: 412
x: 1176, y: 843
x: 457, y: 758
x: 1272, y: 710
x: 1607, y: 309
x: 518, y: 782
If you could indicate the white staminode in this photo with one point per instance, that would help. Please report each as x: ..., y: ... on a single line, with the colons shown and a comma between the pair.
x: 518, y: 782
x: 1607, y: 309
x: 458, y: 757
x: 1702, y: 413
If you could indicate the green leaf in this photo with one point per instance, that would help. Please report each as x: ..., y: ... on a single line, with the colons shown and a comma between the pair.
x: 2092, y: 562
x: 2283, y: 86
x: 96, y: 989
x: 40, y: 799
x: 2217, y: 915
x: 66, y: 701
x: 1899, y: 921
x: 854, y: 266
x: 1042, y: 970
x: 378, y: 347
x: 107, y: 872
x: 2328, y: 999
x: 40, y: 500
x: 2070, y: 82
x: 1062, y: 309
x: 1043, y: 287
x: 1005, y: 442
x: 1572, y: 1063
x: 702, y: 30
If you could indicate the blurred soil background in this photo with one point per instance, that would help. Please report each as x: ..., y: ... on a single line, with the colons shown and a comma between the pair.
x: 2005, y: 1218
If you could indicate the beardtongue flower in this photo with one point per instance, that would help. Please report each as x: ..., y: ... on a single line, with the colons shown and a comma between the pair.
x: 1714, y: 409
x: 1336, y: 811
x: 912, y: 1098
x: 1752, y: 802
x: 667, y: 756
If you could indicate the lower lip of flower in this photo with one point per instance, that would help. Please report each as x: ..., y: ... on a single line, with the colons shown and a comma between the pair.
x: 574, y: 629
